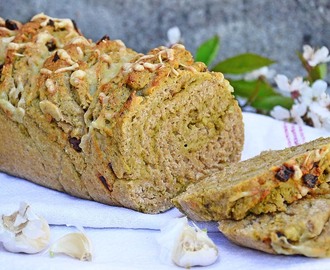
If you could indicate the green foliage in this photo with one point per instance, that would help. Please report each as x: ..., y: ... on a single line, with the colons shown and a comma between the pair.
x: 259, y: 88
x: 260, y: 94
x: 242, y: 63
x: 313, y: 73
x: 318, y: 72
x: 266, y: 104
x: 208, y: 50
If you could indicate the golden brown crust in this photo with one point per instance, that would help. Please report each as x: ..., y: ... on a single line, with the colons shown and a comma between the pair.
x: 110, y: 124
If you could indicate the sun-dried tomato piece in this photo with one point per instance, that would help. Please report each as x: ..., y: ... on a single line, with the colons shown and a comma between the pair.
x: 310, y: 180
x: 284, y: 173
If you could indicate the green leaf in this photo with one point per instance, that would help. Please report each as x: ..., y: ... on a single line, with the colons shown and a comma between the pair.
x: 208, y: 50
x: 260, y: 94
x: 248, y: 88
x: 319, y: 72
x: 313, y: 73
x: 242, y: 63
x: 323, y: 70
x: 268, y: 103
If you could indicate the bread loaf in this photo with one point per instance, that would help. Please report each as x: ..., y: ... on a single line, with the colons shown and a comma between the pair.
x: 303, y: 229
x: 102, y: 122
x: 263, y: 184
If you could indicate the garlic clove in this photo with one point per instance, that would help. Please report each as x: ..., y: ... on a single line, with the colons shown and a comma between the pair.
x: 187, y: 246
x: 76, y: 245
x: 194, y: 248
x: 24, y: 231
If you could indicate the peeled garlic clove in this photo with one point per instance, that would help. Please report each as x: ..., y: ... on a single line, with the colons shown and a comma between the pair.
x: 187, y: 246
x: 24, y: 231
x: 76, y: 245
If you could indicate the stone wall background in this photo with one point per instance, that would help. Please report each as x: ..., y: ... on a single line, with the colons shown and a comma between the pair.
x: 273, y: 28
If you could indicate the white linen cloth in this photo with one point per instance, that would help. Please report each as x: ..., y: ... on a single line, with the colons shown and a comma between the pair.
x: 126, y: 239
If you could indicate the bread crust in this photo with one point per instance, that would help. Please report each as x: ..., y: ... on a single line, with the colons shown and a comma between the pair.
x: 103, y: 122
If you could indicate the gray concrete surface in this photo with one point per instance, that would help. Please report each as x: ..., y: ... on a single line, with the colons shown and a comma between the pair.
x: 273, y: 28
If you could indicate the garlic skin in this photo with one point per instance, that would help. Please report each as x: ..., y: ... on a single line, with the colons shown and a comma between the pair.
x: 24, y: 231
x: 186, y: 246
x: 76, y: 245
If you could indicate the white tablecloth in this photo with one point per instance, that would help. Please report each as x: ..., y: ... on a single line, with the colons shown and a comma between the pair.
x: 125, y: 239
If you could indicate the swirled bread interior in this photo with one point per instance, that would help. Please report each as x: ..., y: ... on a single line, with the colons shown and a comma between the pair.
x: 103, y: 122
x: 263, y: 184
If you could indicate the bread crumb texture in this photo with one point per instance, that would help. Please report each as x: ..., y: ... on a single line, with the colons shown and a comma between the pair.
x: 303, y: 229
x: 102, y: 122
x: 263, y: 184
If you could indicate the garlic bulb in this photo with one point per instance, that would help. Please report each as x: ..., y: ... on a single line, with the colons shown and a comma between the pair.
x: 24, y: 231
x: 76, y: 245
x: 187, y: 246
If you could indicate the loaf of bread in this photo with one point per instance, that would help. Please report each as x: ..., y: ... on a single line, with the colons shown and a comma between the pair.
x: 304, y: 228
x: 102, y: 122
x: 263, y: 184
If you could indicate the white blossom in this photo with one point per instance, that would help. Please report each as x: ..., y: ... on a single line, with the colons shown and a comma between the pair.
x: 312, y: 103
x: 315, y: 93
x: 265, y: 72
x: 297, y: 112
x: 315, y: 57
x: 319, y: 115
x: 294, y: 115
x: 173, y: 36
x: 296, y: 85
x: 280, y: 113
x: 325, y: 101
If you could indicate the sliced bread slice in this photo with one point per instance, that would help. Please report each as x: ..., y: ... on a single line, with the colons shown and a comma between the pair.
x: 303, y: 229
x: 265, y: 183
